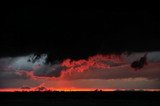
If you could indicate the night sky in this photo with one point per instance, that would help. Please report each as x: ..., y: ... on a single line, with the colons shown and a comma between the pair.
x: 79, y: 41
x: 38, y: 27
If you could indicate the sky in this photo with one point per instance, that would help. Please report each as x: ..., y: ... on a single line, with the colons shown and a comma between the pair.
x: 78, y: 48
x: 106, y: 72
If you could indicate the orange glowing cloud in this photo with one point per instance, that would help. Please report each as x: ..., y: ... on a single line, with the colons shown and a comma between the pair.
x: 95, y: 62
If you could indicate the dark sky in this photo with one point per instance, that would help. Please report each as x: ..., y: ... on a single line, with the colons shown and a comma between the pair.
x: 76, y: 33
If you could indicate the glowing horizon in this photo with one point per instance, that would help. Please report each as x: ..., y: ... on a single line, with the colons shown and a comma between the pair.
x: 72, y: 89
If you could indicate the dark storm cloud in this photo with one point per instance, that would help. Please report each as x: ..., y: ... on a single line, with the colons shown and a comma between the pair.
x: 140, y: 63
x: 23, y: 63
x: 12, y: 74
x: 15, y: 66
x: 151, y: 57
x: 98, y: 66
x: 49, y: 71
x: 18, y: 67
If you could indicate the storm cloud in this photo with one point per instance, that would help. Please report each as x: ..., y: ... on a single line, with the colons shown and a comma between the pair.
x: 100, y: 66
x: 20, y: 66
x: 48, y: 71
x: 139, y: 63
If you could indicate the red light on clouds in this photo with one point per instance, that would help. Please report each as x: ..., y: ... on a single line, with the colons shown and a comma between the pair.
x: 63, y: 76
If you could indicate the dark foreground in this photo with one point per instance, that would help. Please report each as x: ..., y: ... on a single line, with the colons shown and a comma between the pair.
x: 80, y: 98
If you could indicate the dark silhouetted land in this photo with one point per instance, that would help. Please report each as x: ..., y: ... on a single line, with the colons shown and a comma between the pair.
x: 120, y: 98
